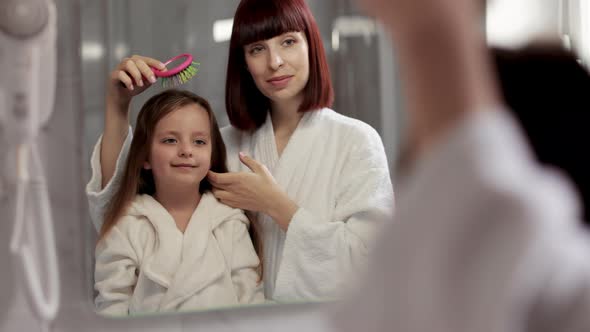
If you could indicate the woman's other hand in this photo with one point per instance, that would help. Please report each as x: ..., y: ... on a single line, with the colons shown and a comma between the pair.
x: 256, y: 191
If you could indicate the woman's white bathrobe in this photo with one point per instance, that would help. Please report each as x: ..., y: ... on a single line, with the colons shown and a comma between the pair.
x: 146, y: 264
x: 335, y: 168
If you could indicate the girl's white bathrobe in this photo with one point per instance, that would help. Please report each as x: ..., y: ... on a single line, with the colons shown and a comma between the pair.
x: 146, y: 264
x: 335, y: 168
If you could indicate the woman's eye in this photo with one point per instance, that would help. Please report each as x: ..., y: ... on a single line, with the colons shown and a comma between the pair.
x: 256, y: 49
x: 289, y: 42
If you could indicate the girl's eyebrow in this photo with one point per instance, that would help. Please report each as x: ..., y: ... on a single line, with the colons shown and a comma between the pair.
x: 168, y: 132
x: 175, y: 133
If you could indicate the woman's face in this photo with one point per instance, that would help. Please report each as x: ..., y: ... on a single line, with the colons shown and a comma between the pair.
x: 180, y: 152
x: 279, y: 66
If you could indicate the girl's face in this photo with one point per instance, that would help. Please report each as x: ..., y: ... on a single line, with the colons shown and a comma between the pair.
x: 180, y: 152
x: 279, y: 66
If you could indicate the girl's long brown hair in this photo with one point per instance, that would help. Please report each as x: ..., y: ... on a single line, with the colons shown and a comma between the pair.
x: 137, y: 180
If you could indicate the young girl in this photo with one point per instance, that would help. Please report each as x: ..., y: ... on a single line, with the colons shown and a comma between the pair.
x: 167, y: 244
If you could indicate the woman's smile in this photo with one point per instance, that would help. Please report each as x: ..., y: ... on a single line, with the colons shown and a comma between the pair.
x: 280, y: 82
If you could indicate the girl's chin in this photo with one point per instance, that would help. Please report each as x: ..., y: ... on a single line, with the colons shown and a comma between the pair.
x: 184, y: 185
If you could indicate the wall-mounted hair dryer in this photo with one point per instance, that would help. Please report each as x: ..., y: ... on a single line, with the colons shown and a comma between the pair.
x: 28, y: 33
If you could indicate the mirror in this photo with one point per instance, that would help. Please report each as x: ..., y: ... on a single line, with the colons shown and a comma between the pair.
x: 356, y: 51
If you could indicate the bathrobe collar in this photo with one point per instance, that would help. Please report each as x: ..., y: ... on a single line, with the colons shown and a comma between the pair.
x: 289, y: 171
x: 184, y: 263
x: 299, y: 146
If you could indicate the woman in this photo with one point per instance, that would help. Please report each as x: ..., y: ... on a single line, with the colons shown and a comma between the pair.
x: 317, y: 182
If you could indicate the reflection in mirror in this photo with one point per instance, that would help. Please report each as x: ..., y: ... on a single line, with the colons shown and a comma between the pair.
x: 170, y: 231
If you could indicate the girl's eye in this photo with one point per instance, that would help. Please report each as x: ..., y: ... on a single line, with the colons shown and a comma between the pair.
x: 200, y: 142
x: 169, y: 140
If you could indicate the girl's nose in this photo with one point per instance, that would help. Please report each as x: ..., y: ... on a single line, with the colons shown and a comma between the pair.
x: 186, y: 151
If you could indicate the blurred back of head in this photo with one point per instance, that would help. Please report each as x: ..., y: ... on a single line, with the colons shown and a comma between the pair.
x: 549, y: 93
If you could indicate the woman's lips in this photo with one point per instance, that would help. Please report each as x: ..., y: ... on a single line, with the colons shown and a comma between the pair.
x: 280, y: 82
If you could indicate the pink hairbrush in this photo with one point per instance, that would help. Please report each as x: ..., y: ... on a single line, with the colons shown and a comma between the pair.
x: 180, y: 74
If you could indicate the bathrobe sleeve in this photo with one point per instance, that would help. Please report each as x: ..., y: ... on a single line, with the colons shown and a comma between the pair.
x: 319, y: 254
x: 115, y: 273
x: 98, y: 197
x: 245, y: 265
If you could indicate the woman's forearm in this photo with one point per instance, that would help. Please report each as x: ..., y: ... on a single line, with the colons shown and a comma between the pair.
x: 282, y: 210
x: 115, y: 132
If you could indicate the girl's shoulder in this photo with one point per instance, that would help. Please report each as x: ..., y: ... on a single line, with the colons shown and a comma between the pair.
x: 135, y: 219
x: 219, y: 214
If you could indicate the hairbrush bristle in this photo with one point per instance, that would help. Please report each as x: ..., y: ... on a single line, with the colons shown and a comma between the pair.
x: 182, y: 77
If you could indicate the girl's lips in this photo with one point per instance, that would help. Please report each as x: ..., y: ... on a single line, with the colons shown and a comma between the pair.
x: 185, y: 167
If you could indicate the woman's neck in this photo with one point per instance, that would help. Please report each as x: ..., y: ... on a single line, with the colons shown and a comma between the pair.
x: 285, y: 117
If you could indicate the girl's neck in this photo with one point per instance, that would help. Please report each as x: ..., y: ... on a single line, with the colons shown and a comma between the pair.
x: 180, y: 203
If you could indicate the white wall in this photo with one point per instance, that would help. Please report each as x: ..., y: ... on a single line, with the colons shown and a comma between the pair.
x: 515, y: 23
x: 577, y: 26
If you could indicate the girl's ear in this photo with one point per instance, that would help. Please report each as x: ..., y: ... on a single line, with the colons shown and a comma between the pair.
x: 146, y: 165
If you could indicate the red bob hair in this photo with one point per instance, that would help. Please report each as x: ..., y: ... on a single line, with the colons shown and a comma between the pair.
x: 257, y: 20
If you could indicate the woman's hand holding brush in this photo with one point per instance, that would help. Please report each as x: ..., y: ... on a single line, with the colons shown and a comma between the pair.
x: 131, y: 77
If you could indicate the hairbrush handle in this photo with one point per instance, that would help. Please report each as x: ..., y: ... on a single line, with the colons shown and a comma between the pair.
x: 171, y: 72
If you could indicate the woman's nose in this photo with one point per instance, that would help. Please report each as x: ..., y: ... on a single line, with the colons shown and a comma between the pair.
x: 276, y: 60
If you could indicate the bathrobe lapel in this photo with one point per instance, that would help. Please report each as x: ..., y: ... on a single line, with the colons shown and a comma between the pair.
x: 203, y: 260
x: 289, y: 169
x: 167, y: 252
x: 186, y: 267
